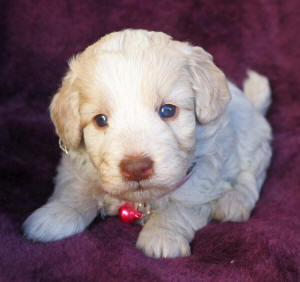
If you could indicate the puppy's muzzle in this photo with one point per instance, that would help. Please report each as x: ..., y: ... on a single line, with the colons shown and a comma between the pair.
x: 136, y: 168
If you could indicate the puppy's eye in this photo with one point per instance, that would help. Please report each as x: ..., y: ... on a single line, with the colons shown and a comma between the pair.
x: 167, y: 111
x: 101, y: 120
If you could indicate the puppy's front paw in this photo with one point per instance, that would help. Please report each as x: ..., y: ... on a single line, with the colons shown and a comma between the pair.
x: 159, y: 242
x: 233, y: 206
x: 53, y: 221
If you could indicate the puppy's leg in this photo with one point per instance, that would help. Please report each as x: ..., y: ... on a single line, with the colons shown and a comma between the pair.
x: 169, y: 232
x: 69, y: 211
x: 237, y: 204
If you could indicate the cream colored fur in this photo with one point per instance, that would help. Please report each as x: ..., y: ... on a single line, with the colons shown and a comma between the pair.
x: 127, y: 76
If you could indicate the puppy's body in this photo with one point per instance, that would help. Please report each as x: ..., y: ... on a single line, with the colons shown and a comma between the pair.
x: 128, y: 76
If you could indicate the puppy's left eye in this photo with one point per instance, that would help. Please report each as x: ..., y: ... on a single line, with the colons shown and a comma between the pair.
x: 167, y: 111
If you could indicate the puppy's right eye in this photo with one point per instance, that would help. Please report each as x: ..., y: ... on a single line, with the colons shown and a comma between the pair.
x: 101, y: 120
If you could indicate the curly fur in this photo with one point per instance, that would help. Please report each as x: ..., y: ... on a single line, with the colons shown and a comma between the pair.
x: 127, y: 76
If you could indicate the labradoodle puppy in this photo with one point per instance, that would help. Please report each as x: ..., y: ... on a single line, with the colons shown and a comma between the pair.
x: 151, y: 129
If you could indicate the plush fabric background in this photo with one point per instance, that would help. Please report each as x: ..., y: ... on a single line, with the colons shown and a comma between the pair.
x: 37, y: 39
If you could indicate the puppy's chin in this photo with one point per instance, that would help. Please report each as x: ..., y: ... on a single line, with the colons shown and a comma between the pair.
x: 139, y: 193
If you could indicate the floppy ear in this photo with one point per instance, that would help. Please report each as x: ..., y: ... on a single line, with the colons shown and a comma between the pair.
x: 209, y: 84
x: 64, y: 111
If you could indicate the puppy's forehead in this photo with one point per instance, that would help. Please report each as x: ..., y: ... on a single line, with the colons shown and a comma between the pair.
x: 130, y: 74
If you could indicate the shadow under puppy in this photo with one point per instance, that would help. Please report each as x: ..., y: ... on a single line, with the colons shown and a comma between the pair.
x: 151, y: 121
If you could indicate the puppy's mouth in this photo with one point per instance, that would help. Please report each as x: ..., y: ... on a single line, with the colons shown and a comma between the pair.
x: 145, y: 190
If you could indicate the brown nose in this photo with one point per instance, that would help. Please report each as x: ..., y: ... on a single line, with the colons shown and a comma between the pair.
x: 136, y: 168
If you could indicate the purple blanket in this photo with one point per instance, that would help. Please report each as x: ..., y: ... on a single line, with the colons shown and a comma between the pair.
x: 36, y: 40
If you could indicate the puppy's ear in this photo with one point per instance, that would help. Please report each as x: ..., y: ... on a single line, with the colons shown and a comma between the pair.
x: 64, y: 111
x: 209, y: 84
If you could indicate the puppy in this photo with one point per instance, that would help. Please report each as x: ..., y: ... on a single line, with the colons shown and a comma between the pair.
x: 152, y: 122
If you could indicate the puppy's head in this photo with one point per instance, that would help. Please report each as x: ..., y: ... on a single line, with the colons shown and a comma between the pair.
x: 132, y: 99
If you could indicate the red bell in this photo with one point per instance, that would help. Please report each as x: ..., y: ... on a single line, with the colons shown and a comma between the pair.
x: 129, y: 214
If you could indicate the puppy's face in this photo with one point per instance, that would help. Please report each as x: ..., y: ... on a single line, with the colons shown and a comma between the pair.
x: 138, y: 123
x: 132, y: 100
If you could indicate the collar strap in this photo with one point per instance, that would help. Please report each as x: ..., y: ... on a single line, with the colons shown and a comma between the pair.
x: 189, y: 173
